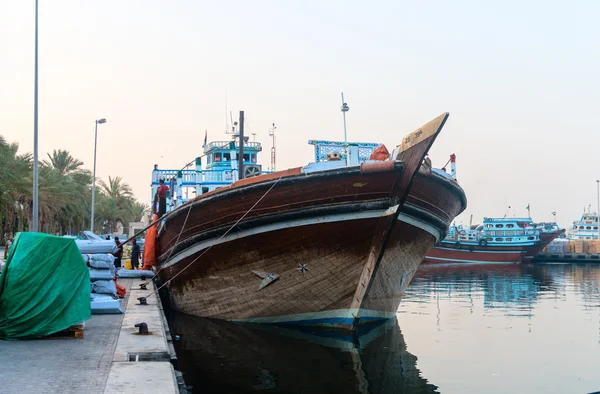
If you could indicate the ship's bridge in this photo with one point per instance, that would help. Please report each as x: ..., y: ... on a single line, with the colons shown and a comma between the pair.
x: 217, y: 167
x: 513, y: 230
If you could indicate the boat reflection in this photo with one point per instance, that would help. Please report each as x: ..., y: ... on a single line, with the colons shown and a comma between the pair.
x: 222, y: 357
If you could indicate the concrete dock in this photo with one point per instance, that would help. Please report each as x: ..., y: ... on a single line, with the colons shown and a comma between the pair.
x: 545, y: 257
x: 111, y: 358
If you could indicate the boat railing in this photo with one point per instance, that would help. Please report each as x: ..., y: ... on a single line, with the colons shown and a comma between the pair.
x: 201, y: 177
x: 226, y: 144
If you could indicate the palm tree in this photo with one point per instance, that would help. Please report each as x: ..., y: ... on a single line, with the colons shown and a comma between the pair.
x: 116, y: 188
x: 64, y: 194
x: 138, y: 210
x: 63, y: 162
x: 15, y: 186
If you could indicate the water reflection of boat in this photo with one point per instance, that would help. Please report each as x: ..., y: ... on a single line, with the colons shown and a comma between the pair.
x: 221, y: 357
x: 502, y: 286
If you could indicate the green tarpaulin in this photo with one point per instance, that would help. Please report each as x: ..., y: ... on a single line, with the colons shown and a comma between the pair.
x: 44, y: 287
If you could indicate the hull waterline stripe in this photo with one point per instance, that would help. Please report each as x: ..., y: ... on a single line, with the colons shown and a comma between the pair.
x: 470, y: 261
x: 481, y: 251
x: 277, y: 226
x: 333, y: 317
x: 420, y: 224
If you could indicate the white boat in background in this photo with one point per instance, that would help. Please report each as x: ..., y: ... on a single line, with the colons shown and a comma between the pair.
x: 585, y: 228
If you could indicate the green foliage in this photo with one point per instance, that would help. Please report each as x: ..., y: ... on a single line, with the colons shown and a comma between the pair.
x: 64, y: 195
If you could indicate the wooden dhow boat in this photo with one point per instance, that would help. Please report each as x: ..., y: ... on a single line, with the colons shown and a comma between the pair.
x: 329, y: 244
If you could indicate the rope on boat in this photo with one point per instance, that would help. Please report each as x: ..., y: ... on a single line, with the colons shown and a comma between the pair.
x: 143, y: 299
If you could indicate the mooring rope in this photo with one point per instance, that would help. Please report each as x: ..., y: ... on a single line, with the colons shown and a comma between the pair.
x: 143, y: 299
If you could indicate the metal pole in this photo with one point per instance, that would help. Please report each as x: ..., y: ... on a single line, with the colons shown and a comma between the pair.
x: 94, y: 183
x: 344, y: 112
x: 35, y: 217
x: 241, y: 150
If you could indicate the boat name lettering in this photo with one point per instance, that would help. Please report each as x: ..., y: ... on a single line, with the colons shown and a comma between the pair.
x: 416, y: 136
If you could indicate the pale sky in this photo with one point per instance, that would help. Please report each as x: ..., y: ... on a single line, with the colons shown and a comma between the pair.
x: 520, y: 80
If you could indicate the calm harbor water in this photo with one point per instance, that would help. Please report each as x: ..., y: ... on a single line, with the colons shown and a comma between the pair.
x: 460, y: 329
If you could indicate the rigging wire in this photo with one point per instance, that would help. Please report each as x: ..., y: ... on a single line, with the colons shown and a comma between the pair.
x: 215, y: 243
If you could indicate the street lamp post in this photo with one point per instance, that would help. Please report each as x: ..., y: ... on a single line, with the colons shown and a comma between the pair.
x: 35, y: 207
x: 94, y: 184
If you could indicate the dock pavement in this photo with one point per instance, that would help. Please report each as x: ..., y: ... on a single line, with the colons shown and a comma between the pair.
x: 103, y: 361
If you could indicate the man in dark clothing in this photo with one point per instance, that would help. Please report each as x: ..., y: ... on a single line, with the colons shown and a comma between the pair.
x: 161, y: 193
x: 119, y: 253
x: 135, y: 254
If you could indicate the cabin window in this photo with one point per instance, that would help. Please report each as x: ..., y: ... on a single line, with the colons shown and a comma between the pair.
x: 246, y: 157
x: 499, y: 226
x: 510, y: 225
x: 489, y: 239
x: 581, y: 227
x: 489, y: 225
x: 217, y: 157
x: 226, y: 156
x: 253, y: 157
x: 595, y: 228
x: 499, y: 239
x: 209, y: 159
x: 530, y: 238
x: 508, y: 239
x: 588, y: 228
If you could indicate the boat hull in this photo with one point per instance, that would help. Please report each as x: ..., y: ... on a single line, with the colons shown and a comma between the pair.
x: 332, y: 254
x: 545, y: 239
x: 446, y: 252
x: 321, y: 248
x: 431, y: 206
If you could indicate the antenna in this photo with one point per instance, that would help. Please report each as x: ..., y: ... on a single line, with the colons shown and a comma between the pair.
x: 254, y: 137
x: 272, y: 135
x: 226, y: 125
x: 345, y: 109
x: 233, y: 124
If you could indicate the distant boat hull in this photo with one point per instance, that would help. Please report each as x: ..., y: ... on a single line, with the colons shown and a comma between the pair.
x: 463, y: 252
x: 545, y: 239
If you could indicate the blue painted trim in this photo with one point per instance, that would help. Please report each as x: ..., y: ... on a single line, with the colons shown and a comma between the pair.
x: 334, y: 321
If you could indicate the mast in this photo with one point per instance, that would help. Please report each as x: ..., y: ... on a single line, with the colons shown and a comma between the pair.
x: 272, y: 135
x: 241, y: 150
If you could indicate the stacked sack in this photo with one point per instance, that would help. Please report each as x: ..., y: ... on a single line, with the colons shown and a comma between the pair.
x: 558, y: 246
x: 105, y: 292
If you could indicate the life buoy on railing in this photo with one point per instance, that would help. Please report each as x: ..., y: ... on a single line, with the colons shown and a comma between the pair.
x: 457, y: 244
x: 483, y: 242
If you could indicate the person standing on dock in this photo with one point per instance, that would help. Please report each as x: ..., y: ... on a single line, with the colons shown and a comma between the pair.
x: 7, y: 247
x: 161, y: 193
x: 119, y: 253
x: 135, y: 254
